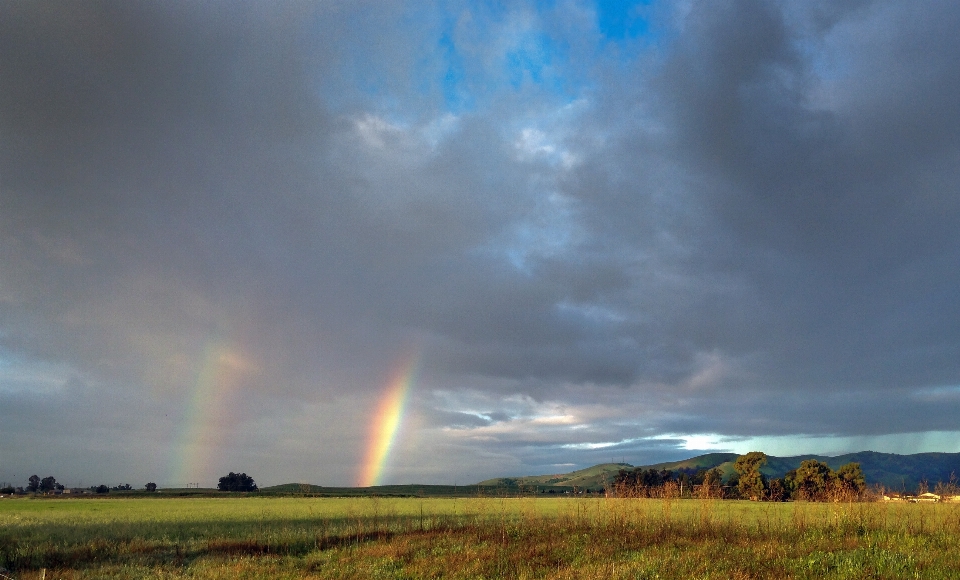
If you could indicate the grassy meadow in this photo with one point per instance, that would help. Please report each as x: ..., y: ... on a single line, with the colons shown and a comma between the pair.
x: 473, y: 538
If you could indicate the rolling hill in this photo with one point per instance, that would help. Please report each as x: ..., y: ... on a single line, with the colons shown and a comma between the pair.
x: 406, y: 490
x: 897, y: 472
x: 591, y: 477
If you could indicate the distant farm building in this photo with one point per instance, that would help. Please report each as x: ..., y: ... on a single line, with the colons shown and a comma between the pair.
x: 922, y: 498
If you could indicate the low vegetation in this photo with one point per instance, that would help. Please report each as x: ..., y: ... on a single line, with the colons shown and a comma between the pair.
x: 529, y: 537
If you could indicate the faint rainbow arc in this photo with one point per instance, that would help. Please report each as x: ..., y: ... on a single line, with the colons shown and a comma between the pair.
x: 205, y: 420
x: 386, y: 424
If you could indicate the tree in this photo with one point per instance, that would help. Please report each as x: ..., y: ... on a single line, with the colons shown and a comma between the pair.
x: 151, y: 486
x: 710, y: 483
x: 776, y: 490
x: 813, y: 479
x: 102, y: 488
x: 949, y: 488
x: 751, y: 482
x: 48, y: 483
x: 644, y: 482
x: 123, y: 487
x: 850, y: 479
x: 237, y: 482
x: 734, y: 481
x: 34, y: 484
x: 713, y: 477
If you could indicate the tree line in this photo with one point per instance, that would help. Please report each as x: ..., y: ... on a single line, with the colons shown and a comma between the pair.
x: 640, y: 482
x: 813, y: 480
x: 49, y: 484
x: 35, y: 484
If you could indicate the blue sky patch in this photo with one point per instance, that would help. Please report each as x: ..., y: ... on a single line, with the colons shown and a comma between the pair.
x: 621, y: 19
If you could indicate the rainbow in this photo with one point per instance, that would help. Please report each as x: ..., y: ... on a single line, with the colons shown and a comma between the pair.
x: 386, y: 423
x: 206, y: 421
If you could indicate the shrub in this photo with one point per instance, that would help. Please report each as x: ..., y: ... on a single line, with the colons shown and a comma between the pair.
x: 237, y: 482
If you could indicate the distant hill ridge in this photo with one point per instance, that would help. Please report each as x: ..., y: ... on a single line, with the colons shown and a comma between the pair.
x: 897, y: 472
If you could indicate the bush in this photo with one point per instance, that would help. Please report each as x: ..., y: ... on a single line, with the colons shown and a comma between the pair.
x: 237, y: 482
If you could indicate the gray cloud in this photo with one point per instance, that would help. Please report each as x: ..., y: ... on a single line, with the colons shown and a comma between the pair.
x: 742, y: 225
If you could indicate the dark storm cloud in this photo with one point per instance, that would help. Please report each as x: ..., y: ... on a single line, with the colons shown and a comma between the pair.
x: 184, y: 160
x: 743, y: 224
x: 841, y: 225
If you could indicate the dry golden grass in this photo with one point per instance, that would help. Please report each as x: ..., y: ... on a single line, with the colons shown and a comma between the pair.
x: 475, y: 538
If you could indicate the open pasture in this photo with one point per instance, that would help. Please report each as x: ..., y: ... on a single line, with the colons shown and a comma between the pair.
x: 255, y: 537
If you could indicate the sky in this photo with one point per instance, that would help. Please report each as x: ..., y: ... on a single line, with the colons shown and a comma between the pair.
x: 351, y: 243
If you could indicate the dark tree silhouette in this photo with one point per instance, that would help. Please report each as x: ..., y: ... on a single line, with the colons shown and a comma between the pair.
x: 48, y: 483
x: 34, y: 484
x: 151, y: 486
x: 237, y: 482
x: 641, y: 478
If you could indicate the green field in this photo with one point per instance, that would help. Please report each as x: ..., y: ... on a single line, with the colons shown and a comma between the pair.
x: 275, y: 537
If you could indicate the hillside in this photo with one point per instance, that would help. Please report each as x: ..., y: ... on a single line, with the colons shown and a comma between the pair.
x: 902, y: 472
x: 590, y: 478
x: 898, y: 472
x: 408, y: 490
x: 722, y: 461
